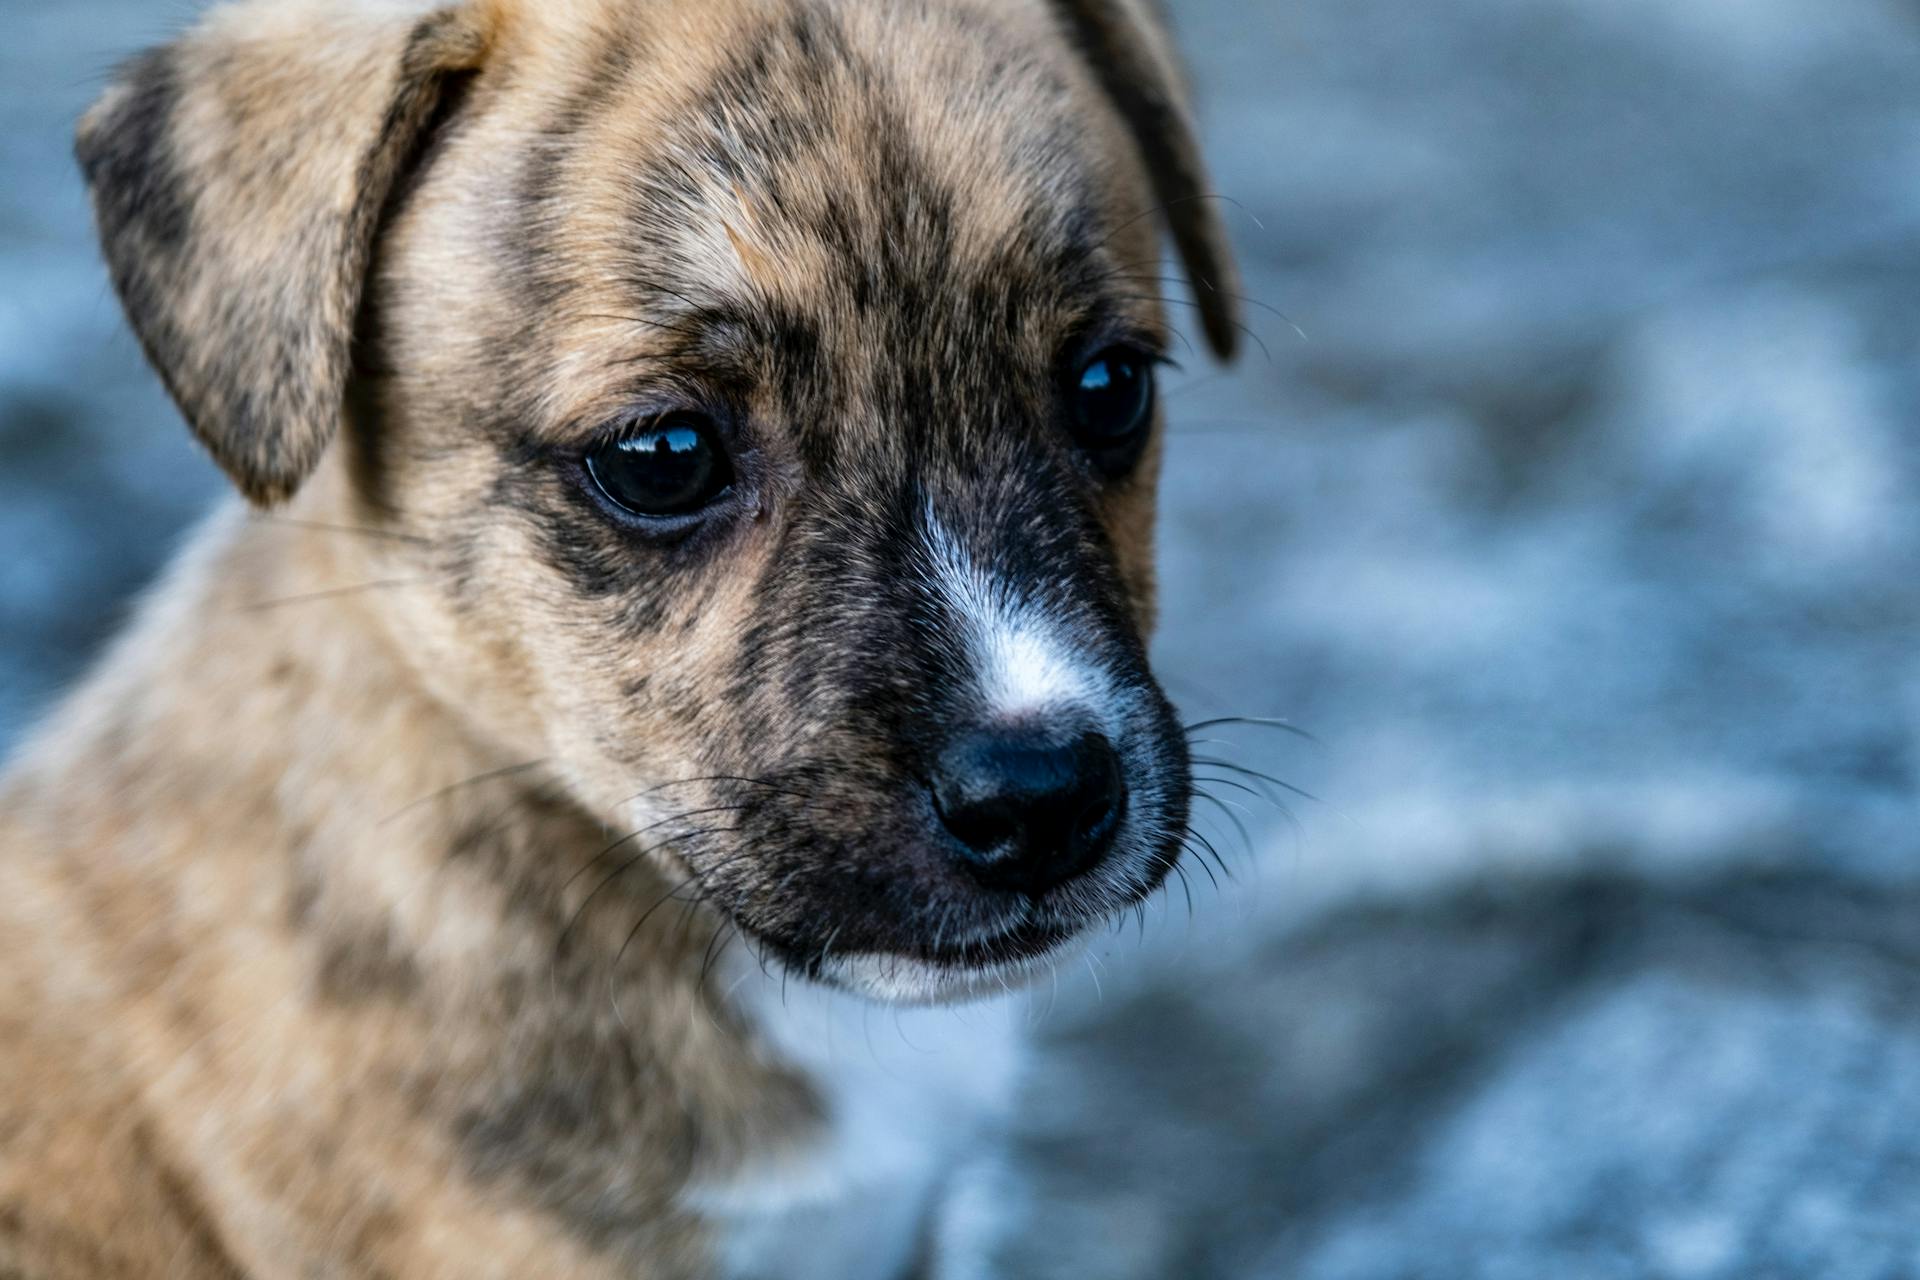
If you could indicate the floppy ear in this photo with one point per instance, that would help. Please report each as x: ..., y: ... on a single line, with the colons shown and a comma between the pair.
x: 1128, y: 48
x: 238, y: 178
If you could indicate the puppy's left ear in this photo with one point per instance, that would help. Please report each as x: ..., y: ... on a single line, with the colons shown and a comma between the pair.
x: 1128, y: 48
x: 238, y: 178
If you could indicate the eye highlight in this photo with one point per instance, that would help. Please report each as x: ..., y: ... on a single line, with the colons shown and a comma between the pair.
x: 671, y: 466
x: 1112, y: 406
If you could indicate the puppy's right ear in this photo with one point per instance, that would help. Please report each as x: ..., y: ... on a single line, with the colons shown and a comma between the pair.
x: 238, y: 178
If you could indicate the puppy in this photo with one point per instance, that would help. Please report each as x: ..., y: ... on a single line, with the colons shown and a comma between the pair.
x: 700, y: 459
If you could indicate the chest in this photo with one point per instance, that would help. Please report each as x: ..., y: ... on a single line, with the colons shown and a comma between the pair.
x: 910, y: 1095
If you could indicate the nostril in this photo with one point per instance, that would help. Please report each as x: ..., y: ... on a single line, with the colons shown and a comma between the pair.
x: 1101, y: 812
x: 1098, y: 791
x: 1030, y: 808
x: 982, y: 825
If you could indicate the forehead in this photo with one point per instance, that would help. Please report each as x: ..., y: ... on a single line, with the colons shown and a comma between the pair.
x: 874, y: 183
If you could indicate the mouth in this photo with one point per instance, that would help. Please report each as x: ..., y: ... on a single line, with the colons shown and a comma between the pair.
x: 941, y: 973
x: 927, y: 977
x: 1023, y: 944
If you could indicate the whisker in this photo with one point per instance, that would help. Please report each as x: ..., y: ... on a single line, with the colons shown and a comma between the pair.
x: 632, y: 835
x: 719, y: 939
x: 654, y: 286
x: 499, y: 819
x: 1098, y: 994
x: 322, y: 526
x: 1182, y: 302
x: 642, y: 856
x: 721, y: 777
x: 615, y: 874
x: 1181, y: 390
x: 1246, y: 837
x: 1202, y: 864
x: 1258, y: 722
x: 1171, y: 204
x: 1279, y: 806
x: 477, y: 779
x: 332, y: 593
x: 1238, y: 786
x: 1208, y: 845
x: 1195, y: 427
x: 682, y: 330
x: 826, y: 949
x: 1215, y: 762
x: 717, y: 947
x: 1186, y: 888
x: 688, y: 906
x: 1283, y: 317
x: 674, y: 893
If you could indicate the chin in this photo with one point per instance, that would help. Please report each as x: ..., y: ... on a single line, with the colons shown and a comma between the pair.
x: 914, y: 981
x: 1000, y: 966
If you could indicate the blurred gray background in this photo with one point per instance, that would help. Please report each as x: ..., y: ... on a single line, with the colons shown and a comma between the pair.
x: 1571, y: 507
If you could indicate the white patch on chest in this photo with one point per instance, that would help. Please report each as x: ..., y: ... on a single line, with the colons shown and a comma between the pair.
x: 910, y: 1095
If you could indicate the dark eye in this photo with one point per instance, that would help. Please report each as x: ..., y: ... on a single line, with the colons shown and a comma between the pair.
x: 1113, y: 404
x: 672, y: 466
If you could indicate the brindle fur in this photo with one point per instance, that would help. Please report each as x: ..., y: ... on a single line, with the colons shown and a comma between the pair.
x: 333, y: 946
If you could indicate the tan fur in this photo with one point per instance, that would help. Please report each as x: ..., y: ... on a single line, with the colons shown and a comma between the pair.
x: 168, y: 1018
x: 280, y: 886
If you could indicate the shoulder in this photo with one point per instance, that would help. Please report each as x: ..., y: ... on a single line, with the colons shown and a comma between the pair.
x: 86, y: 1189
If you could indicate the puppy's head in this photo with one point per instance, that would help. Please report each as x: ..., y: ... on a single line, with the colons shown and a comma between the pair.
x: 764, y: 398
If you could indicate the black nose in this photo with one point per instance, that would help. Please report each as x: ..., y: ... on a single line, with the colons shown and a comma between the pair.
x: 1028, y: 808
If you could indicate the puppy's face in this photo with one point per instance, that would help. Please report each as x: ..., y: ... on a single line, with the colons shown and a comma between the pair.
x: 771, y: 391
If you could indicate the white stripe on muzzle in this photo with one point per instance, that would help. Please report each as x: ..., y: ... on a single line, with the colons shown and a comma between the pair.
x: 1022, y: 660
